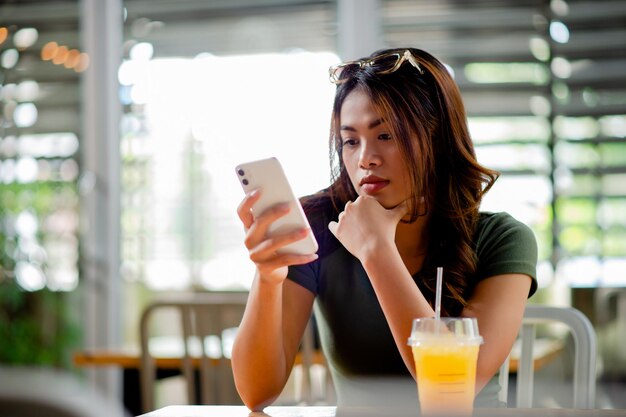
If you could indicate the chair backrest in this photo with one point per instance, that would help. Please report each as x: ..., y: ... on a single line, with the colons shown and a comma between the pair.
x: 584, y: 355
x: 203, y: 317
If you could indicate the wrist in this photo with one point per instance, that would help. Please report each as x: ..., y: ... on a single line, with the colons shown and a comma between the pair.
x: 376, y: 253
x: 269, y: 282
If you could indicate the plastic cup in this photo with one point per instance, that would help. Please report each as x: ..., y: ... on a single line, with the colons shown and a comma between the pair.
x: 445, y: 352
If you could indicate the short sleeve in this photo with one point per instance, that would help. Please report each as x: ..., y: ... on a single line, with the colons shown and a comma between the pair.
x: 304, y: 275
x: 505, y: 245
x: 319, y: 211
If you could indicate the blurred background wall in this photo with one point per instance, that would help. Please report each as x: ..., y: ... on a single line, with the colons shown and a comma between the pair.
x: 121, y: 123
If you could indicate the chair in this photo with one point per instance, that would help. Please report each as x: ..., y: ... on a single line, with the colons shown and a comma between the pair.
x: 584, y: 360
x: 201, y: 347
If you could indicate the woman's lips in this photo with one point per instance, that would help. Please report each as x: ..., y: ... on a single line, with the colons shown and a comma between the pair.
x: 373, y: 185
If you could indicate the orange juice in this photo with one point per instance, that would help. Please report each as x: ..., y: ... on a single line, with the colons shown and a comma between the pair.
x: 446, y: 377
x: 445, y: 353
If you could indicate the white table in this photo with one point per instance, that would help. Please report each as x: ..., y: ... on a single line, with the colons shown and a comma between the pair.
x: 328, y: 411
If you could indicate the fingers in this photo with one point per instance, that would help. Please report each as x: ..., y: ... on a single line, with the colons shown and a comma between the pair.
x: 347, y: 208
x: 266, y: 256
x: 268, y: 246
x: 283, y: 260
x: 256, y: 227
x: 264, y: 250
x: 244, y: 210
x: 332, y: 226
x: 366, y: 209
x: 259, y: 227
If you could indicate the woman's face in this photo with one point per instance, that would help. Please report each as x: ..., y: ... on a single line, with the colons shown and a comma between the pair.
x: 370, y: 154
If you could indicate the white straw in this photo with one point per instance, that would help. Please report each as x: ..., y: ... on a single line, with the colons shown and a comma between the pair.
x: 438, y: 293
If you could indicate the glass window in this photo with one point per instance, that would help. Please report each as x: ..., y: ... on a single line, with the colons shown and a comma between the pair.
x: 40, y: 66
x: 546, y: 108
x: 180, y: 150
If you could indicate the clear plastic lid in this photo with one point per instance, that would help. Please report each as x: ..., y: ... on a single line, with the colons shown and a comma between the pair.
x: 462, y: 330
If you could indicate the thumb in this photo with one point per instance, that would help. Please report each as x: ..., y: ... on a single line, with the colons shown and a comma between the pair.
x: 332, y: 226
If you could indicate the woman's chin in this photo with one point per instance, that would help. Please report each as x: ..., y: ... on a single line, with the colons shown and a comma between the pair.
x: 390, y: 204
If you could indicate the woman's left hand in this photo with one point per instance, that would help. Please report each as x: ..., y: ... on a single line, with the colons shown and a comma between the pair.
x: 364, y: 224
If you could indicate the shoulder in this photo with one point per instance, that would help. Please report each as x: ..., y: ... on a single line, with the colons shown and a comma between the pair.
x: 498, y: 226
x: 503, y: 244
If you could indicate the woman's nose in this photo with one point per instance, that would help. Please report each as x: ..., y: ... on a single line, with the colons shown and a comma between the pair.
x: 369, y: 156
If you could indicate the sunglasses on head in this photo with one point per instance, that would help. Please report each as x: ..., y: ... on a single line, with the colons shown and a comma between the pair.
x: 381, y: 64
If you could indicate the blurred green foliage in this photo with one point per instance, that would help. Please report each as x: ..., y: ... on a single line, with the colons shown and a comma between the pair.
x: 36, y: 327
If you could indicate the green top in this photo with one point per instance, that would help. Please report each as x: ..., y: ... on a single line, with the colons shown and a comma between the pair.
x: 354, y: 333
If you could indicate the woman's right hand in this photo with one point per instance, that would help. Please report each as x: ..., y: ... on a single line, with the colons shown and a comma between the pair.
x: 263, y: 250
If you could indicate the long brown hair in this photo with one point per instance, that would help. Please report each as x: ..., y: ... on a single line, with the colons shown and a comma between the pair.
x: 426, y: 116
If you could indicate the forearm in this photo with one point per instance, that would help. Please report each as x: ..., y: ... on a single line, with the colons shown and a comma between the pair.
x: 258, y: 359
x: 498, y: 304
x: 399, y: 297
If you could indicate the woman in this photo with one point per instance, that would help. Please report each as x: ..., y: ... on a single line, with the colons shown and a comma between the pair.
x: 404, y: 200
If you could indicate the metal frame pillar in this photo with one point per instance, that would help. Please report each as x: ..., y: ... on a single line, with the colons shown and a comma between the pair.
x: 99, y: 185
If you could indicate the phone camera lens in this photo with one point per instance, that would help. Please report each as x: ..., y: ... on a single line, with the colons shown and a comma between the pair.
x: 245, y: 181
x: 240, y: 172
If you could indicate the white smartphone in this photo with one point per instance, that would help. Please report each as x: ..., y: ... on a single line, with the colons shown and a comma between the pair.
x: 268, y: 175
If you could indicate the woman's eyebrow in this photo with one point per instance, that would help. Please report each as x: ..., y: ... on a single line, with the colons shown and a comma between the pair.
x: 376, y: 123
x: 371, y: 125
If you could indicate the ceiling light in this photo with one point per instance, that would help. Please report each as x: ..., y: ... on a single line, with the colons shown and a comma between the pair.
x: 25, y: 38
